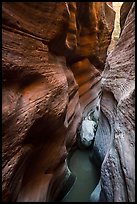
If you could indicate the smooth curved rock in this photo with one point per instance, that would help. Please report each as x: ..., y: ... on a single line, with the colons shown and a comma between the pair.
x: 51, y: 79
x: 116, y: 130
x: 126, y: 6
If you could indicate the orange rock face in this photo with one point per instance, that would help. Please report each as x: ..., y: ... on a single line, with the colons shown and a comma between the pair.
x: 52, y: 57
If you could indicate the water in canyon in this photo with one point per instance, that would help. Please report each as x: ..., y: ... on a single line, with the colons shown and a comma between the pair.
x: 87, y: 176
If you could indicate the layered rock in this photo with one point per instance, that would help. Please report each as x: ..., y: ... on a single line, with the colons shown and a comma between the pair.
x: 124, y: 12
x: 115, y: 137
x: 52, y: 54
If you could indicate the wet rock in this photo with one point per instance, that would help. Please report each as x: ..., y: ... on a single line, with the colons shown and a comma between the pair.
x: 95, y: 195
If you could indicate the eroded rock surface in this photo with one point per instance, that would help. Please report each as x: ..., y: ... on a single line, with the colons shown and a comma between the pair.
x: 115, y: 137
x: 124, y: 12
x: 53, y: 54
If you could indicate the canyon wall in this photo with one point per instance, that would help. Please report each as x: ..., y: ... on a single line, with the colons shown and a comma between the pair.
x: 52, y: 58
x: 115, y: 137
x: 53, y: 55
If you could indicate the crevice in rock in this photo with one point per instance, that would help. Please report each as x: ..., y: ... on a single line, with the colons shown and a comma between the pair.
x: 117, y: 26
x: 57, y: 97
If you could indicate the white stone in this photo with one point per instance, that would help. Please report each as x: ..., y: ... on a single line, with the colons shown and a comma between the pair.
x: 87, y: 132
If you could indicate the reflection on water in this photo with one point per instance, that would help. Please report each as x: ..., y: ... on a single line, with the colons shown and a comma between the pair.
x: 87, y: 177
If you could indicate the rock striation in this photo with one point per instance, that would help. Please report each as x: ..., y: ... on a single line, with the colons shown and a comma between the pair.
x: 115, y: 136
x: 52, y: 58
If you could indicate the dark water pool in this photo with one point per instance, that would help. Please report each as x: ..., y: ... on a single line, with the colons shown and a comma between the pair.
x: 87, y: 177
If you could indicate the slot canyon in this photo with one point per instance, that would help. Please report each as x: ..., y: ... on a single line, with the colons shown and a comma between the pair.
x: 68, y: 102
